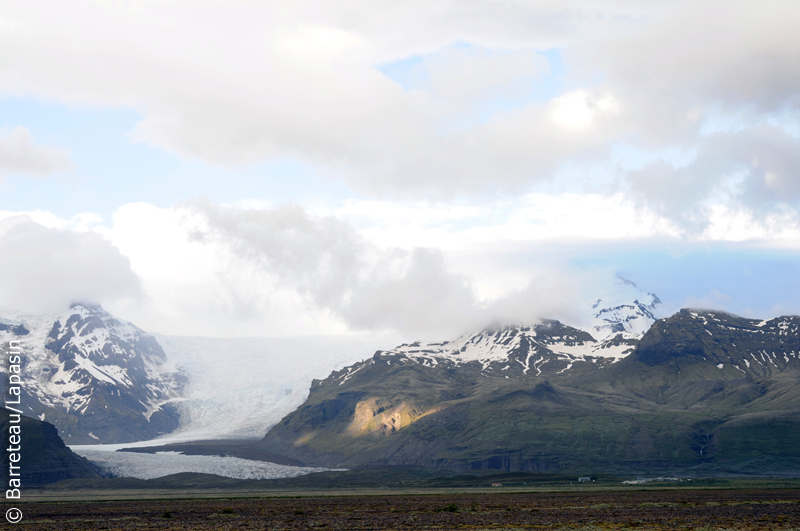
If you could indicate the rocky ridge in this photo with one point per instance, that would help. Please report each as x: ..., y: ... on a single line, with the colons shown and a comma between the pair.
x: 96, y: 378
x: 700, y: 391
x: 541, y: 348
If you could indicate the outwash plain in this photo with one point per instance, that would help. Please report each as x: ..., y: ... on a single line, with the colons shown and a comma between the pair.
x: 713, y: 504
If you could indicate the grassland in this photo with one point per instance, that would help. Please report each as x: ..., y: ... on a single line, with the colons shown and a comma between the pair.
x: 592, y: 509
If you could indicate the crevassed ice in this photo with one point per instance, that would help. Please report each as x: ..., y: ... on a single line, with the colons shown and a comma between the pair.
x: 150, y: 466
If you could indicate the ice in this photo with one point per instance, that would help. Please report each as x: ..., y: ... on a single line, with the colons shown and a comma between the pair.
x: 240, y: 387
x: 149, y: 466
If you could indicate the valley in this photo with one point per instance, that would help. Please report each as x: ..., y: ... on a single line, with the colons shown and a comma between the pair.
x: 697, y: 394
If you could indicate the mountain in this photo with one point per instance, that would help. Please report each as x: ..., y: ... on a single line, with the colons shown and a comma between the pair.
x: 626, y: 311
x: 96, y: 378
x: 45, y: 458
x: 548, y: 347
x: 701, y: 391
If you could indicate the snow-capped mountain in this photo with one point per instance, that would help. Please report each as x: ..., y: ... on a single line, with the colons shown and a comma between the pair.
x: 701, y: 390
x: 627, y: 311
x: 617, y: 323
x: 95, y: 377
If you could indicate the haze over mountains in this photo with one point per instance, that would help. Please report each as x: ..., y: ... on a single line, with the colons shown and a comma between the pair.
x: 99, y: 379
x: 102, y: 380
x: 699, y: 390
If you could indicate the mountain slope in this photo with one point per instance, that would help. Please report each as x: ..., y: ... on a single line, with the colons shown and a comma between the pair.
x: 96, y: 378
x: 627, y: 310
x: 693, y: 393
x: 45, y: 458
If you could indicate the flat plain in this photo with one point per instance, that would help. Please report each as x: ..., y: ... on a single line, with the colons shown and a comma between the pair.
x: 648, y: 509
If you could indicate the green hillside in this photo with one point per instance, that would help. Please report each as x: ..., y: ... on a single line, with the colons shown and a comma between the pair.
x: 703, y: 391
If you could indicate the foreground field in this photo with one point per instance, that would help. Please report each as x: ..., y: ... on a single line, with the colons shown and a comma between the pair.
x: 621, y: 510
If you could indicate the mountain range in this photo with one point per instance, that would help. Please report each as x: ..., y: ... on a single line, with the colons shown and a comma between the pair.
x: 98, y: 379
x: 701, y: 391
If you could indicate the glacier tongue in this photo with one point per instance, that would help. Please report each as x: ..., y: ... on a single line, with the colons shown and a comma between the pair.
x: 160, y: 464
x: 84, y: 359
x: 240, y: 387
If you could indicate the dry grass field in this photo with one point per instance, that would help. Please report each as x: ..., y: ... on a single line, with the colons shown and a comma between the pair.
x: 621, y: 510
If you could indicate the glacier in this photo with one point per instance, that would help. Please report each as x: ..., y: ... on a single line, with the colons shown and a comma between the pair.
x: 160, y: 464
x: 240, y: 387
x: 237, y: 389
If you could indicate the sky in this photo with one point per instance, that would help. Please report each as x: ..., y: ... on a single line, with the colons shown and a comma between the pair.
x: 254, y: 168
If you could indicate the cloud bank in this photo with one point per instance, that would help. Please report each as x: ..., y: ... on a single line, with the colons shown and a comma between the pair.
x: 368, y: 286
x: 434, y: 99
x: 45, y: 270
x: 480, y: 145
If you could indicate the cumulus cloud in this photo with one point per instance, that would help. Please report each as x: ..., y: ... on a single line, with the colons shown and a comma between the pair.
x: 207, y: 269
x: 689, y: 53
x: 291, y: 269
x: 550, y: 294
x: 45, y: 270
x: 755, y: 168
x: 366, y: 285
x: 308, y: 81
x: 304, y: 81
x: 20, y: 154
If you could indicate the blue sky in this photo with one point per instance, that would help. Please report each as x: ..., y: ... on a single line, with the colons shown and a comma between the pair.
x: 111, y: 170
x: 257, y: 169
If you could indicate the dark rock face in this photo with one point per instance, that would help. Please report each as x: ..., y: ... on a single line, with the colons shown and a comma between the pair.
x: 45, y: 458
x: 755, y: 347
x: 18, y: 330
x: 702, y: 391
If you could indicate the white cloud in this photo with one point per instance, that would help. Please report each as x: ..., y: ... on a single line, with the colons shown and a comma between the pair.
x: 734, y: 53
x: 19, y: 154
x: 303, y: 81
x: 213, y: 270
x: 335, y: 269
x: 631, y: 85
x: 534, y: 217
x: 779, y: 229
x: 81, y: 222
x: 205, y: 269
x: 753, y: 170
x: 45, y: 270
x: 195, y: 287
x: 579, y: 109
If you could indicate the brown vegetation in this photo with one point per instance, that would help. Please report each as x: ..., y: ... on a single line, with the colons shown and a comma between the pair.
x: 622, y: 510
